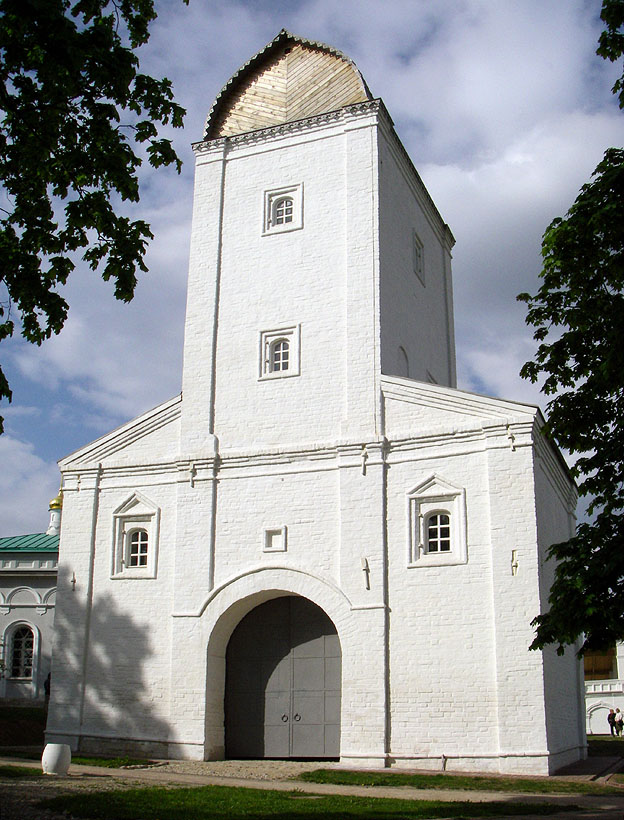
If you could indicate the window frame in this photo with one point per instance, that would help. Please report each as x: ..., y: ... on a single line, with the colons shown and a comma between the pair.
x: 11, y: 664
x: 269, y: 339
x: 141, y: 553
x: 439, y: 539
x: 282, y: 210
x: 136, y: 514
x: 436, y: 496
x: 418, y: 257
x: 590, y: 672
x: 271, y: 201
x: 279, y: 355
x: 7, y: 654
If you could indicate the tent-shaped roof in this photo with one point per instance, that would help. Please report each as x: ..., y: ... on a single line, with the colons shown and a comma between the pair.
x: 290, y: 79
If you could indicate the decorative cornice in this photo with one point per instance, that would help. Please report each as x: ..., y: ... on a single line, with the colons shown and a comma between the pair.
x: 453, y: 400
x: 490, y: 432
x: 346, y: 113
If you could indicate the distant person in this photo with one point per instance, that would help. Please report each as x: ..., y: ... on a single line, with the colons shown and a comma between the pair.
x: 611, y: 721
x: 619, y: 721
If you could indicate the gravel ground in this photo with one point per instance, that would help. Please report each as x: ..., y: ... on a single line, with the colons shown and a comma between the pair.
x: 251, y: 769
x: 19, y: 796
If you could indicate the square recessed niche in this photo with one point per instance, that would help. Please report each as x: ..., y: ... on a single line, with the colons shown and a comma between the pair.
x: 275, y: 539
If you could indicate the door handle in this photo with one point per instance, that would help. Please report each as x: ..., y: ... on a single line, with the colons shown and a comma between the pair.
x: 297, y: 717
x: 284, y: 718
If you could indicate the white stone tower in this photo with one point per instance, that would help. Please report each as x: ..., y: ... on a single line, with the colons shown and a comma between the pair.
x: 322, y: 548
x: 355, y: 277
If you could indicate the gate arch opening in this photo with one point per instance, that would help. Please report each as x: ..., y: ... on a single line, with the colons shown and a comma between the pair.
x: 283, y: 683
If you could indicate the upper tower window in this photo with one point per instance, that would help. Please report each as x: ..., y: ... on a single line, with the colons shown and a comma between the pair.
x: 283, y: 209
x: 279, y: 352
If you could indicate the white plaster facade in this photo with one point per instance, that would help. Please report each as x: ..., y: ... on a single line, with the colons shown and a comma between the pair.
x: 313, y: 482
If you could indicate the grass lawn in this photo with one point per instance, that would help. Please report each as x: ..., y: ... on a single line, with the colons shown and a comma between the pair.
x: 214, y: 802
x: 605, y: 746
x: 19, y: 771
x: 455, y: 782
x: 85, y: 760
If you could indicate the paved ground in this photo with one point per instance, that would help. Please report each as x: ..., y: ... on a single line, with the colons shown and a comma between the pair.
x: 18, y: 798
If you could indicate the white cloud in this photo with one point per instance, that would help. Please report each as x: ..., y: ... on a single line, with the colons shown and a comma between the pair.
x: 27, y: 483
x: 498, y: 212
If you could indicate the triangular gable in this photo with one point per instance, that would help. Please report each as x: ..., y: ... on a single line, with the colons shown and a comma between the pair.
x: 136, y: 505
x: 290, y: 79
x: 412, y: 404
x: 435, y: 486
x: 122, y: 438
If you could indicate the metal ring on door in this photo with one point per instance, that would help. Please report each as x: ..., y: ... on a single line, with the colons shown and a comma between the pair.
x: 284, y: 718
x: 297, y: 717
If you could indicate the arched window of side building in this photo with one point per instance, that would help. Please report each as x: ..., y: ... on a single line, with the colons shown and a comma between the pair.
x: 21, y: 654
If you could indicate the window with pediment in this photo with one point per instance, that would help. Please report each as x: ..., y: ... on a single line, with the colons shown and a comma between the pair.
x: 437, y: 524
x: 136, y: 527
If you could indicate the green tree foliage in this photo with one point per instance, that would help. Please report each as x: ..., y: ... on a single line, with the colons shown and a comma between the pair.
x: 578, y: 316
x: 611, y: 42
x: 73, y: 107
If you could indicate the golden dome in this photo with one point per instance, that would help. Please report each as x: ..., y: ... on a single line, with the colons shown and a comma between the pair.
x: 57, y: 502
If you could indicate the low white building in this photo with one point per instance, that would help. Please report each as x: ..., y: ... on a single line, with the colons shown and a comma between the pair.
x: 28, y: 565
x: 321, y: 548
x: 604, y: 688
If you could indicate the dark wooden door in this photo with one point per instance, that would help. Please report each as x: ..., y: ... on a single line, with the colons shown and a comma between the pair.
x: 283, y: 680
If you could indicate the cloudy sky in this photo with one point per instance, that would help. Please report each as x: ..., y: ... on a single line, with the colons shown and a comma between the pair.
x: 503, y: 107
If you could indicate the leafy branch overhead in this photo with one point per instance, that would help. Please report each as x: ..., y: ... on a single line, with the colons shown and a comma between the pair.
x: 74, y: 106
x: 578, y: 316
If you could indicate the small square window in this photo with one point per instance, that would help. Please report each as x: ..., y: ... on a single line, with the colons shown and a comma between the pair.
x: 283, y: 209
x: 279, y: 352
x: 418, y: 257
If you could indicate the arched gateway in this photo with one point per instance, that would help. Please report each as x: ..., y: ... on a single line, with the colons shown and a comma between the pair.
x: 283, y: 679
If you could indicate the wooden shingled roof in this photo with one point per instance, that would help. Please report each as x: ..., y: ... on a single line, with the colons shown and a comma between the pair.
x: 290, y: 79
